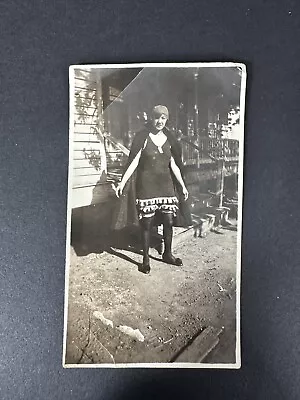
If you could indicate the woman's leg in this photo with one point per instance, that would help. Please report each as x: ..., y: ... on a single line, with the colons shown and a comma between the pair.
x: 146, y: 224
x: 168, y: 236
x: 168, y: 232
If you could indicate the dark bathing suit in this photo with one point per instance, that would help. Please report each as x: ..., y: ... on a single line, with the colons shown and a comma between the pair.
x: 154, y: 184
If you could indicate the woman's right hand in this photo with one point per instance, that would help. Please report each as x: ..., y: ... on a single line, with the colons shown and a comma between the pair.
x: 185, y: 193
x: 119, y: 189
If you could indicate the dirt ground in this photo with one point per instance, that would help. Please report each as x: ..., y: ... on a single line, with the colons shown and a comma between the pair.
x: 168, y: 307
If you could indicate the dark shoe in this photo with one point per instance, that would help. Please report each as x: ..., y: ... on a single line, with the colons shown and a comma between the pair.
x: 170, y: 259
x: 145, y: 268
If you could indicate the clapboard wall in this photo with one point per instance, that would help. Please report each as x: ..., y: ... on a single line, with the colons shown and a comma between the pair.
x: 91, y: 152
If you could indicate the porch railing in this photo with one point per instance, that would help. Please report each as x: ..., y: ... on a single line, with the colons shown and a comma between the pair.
x: 116, y: 155
x: 206, y: 150
x: 194, y: 152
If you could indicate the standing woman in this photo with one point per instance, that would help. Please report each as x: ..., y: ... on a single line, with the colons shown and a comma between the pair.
x: 155, y: 166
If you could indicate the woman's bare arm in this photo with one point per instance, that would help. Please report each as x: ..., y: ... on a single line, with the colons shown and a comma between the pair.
x: 130, y: 170
x: 179, y: 178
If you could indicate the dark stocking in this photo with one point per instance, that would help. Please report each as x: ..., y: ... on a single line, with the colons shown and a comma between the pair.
x: 146, y: 224
x: 168, y: 236
x: 168, y: 233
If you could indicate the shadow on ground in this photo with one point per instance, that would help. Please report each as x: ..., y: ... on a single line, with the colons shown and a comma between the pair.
x: 91, y: 233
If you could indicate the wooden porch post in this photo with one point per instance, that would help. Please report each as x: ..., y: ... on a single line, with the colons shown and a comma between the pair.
x: 221, y: 166
x: 196, y: 122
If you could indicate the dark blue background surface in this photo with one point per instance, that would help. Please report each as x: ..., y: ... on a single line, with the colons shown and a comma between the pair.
x: 39, y: 41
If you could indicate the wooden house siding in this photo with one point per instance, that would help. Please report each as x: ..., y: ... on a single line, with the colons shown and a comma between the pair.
x: 88, y: 152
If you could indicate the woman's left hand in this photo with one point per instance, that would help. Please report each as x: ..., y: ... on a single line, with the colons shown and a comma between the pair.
x: 185, y: 193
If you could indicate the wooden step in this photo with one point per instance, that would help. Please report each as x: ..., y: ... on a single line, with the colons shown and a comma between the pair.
x: 199, y: 347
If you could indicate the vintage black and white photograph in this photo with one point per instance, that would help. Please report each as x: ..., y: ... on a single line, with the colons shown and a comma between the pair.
x: 153, y: 263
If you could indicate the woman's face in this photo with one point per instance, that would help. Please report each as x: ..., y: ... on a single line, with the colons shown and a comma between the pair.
x: 159, y: 121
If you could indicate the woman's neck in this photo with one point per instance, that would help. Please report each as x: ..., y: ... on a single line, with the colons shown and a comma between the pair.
x: 156, y: 132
